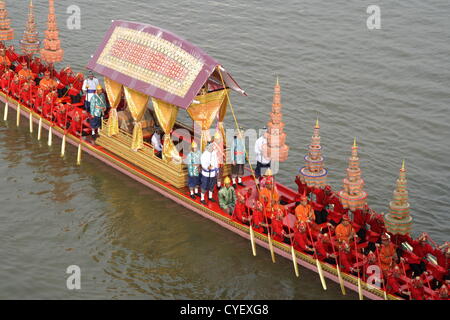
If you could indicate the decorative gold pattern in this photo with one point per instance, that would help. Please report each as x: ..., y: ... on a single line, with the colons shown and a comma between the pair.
x: 114, y: 92
x: 150, y: 59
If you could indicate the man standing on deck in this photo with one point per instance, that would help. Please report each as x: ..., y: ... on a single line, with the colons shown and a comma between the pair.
x: 227, y: 197
x: 261, y: 161
x: 89, y: 86
x: 194, y: 167
x: 238, y: 158
x: 210, y: 167
x: 98, y: 108
x: 268, y: 193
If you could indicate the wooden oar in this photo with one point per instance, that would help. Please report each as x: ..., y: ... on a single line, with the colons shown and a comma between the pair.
x: 5, y: 113
x: 63, y: 143
x: 269, y: 238
x: 252, y: 235
x: 318, y: 264
x: 360, y: 294
x: 81, y: 138
x: 341, y: 281
x: 294, y: 256
x: 381, y: 273
x: 31, y: 113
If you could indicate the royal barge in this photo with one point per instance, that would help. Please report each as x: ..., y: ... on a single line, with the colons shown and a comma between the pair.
x: 150, y: 73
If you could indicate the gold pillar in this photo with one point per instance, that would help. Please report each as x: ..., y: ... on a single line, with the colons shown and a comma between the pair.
x: 137, y: 104
x: 167, y: 114
x: 114, y: 92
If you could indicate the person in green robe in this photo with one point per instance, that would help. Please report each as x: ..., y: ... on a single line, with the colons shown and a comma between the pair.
x: 98, y: 108
x: 227, y: 197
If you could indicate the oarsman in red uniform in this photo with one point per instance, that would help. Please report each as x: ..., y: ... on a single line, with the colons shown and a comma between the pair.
x: 79, y: 119
x: 360, y: 218
x: 442, y: 255
x: 49, y: 104
x: 61, y: 115
x: 319, y: 205
x: 6, y: 80
x: 14, y: 88
x: 420, y: 249
x: 369, y: 260
x: 302, y: 186
x: 38, y: 102
x: 301, y: 241
x: 277, y: 222
x: 417, y: 289
x: 393, y: 283
x: 345, y: 257
x: 240, y: 208
x: 5, y: 63
x: 258, y: 215
x: 324, y: 249
x: 441, y: 293
x: 36, y: 66
x: 26, y: 93
x: 12, y: 56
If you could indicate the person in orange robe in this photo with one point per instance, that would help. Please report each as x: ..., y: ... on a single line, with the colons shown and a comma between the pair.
x: 25, y: 73
x: 304, y: 212
x: 388, y: 254
x: 47, y: 83
x: 344, y: 231
x: 5, y: 63
x: 268, y: 193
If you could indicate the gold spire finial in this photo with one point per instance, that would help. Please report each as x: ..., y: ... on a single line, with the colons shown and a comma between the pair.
x: 317, y: 122
x: 278, y: 82
x: 354, y: 143
x: 403, y: 164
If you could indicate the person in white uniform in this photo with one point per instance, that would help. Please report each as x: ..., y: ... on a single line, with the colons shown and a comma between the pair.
x: 261, y: 161
x: 89, y: 87
x: 210, y: 168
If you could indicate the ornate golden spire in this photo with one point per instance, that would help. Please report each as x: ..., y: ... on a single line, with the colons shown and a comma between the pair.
x: 52, y: 51
x: 6, y: 32
x: 30, y: 42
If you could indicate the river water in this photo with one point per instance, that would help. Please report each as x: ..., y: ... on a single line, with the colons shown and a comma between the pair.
x: 387, y: 87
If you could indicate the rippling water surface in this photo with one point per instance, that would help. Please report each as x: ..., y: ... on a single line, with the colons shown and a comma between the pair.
x: 388, y: 87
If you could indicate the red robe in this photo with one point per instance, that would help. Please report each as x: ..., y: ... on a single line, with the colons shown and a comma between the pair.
x: 277, y: 227
x: 239, y: 211
x: 300, y: 240
x: 334, y: 200
x: 302, y: 187
x: 393, y: 284
x: 345, y: 260
x: 38, y: 103
x: 258, y: 217
x: 421, y: 250
x: 322, y: 249
x: 14, y: 88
